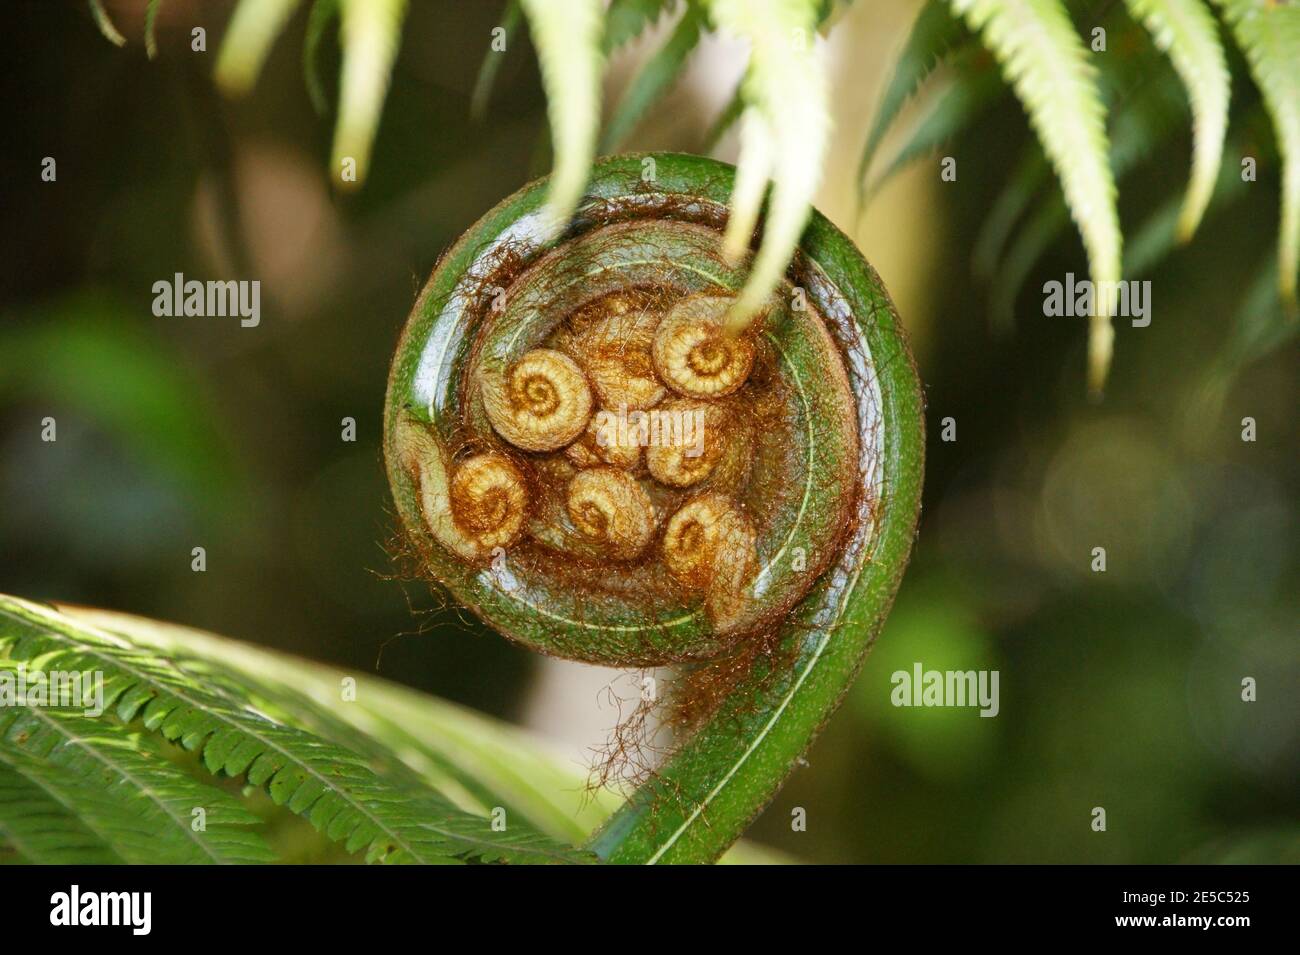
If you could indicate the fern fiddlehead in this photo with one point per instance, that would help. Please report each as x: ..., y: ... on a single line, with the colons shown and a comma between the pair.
x: 587, y: 455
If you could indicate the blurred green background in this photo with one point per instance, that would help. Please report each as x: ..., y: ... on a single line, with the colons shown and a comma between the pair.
x: 1119, y: 689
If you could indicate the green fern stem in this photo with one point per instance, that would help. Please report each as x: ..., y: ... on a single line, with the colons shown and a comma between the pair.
x: 837, y: 496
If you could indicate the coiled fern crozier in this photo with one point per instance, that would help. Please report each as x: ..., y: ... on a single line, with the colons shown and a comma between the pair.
x: 584, y: 453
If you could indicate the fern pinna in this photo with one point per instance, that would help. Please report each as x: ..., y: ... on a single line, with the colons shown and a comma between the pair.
x: 81, y: 789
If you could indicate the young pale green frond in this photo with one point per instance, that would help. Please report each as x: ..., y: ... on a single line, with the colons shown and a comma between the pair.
x: 369, y: 33
x: 626, y: 19
x: 752, y: 173
x: 786, y: 87
x: 655, y: 77
x: 1186, y: 31
x: 1269, y: 33
x: 1045, y: 61
x: 1148, y: 115
x: 567, y: 35
x: 35, y: 825
x: 141, y: 807
x: 731, y: 113
x: 323, y: 13
x: 331, y: 787
x: 252, y: 29
x: 105, y: 23
x: 933, y: 34
x: 150, y: 22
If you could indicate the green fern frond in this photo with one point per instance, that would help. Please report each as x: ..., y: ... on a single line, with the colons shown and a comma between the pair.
x: 972, y: 89
x: 105, y: 23
x: 731, y: 113
x: 655, y: 77
x: 1047, y: 65
x: 933, y: 33
x: 1161, y: 231
x: 1144, y: 98
x: 753, y: 169
x: 322, y: 14
x: 370, y: 32
x: 37, y: 826
x: 474, y: 760
x: 1147, y: 118
x: 397, y: 731
x: 785, y: 129
x: 1034, y: 236
x: 1262, y: 324
x: 1144, y: 121
x: 1186, y: 31
x: 567, y: 35
x: 1269, y: 33
x: 150, y: 22
x: 1025, y: 182
x: 139, y: 806
x: 253, y: 28
x: 511, y: 19
x: 625, y: 20
x: 332, y: 788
